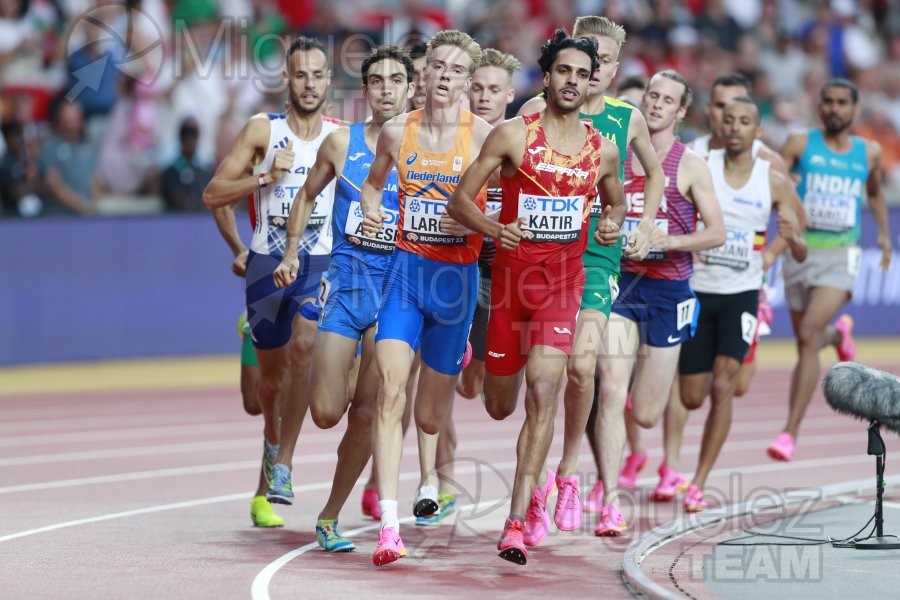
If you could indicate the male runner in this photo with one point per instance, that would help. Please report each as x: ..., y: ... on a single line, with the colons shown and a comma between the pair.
x: 551, y: 165
x: 655, y: 311
x: 270, y: 160
x: 431, y: 284
x: 625, y: 127
x: 351, y: 289
x: 834, y: 170
x: 727, y: 279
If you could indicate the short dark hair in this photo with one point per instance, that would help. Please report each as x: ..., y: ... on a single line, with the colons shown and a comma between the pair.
x: 189, y: 128
x: 748, y: 100
x: 633, y: 82
x: 843, y: 83
x: 733, y: 80
x: 386, y: 52
x: 562, y: 41
x: 418, y: 50
x: 305, y: 44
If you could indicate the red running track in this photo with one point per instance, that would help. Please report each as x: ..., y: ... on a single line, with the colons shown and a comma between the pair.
x: 146, y: 495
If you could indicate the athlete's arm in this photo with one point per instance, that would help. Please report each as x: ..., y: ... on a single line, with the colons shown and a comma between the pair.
x: 503, y: 145
x: 234, y: 177
x: 793, y: 149
x: 791, y: 223
x: 877, y: 204
x: 775, y: 159
x: 324, y: 169
x: 693, y: 171
x: 386, y: 149
x: 225, y: 222
x: 639, y: 140
x: 533, y: 105
x: 613, y: 196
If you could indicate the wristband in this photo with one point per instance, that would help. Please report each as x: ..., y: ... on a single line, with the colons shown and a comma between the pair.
x: 262, y: 180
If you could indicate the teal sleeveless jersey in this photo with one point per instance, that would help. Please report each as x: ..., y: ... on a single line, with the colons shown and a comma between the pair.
x: 831, y: 188
x: 612, y: 123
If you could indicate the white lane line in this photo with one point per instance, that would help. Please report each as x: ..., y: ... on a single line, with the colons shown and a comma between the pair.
x: 324, y: 457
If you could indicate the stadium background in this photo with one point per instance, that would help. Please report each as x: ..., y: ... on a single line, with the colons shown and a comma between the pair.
x: 138, y: 271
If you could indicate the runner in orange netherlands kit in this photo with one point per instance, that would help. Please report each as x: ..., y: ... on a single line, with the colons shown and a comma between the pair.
x: 431, y: 283
x: 550, y: 165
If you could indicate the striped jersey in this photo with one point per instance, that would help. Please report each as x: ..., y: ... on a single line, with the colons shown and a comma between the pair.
x: 426, y: 182
x: 270, y: 206
x: 677, y: 216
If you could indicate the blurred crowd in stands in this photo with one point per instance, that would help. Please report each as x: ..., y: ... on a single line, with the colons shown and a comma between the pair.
x: 125, y: 107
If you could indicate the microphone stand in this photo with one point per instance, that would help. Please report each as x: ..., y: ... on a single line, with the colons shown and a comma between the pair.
x: 879, y: 541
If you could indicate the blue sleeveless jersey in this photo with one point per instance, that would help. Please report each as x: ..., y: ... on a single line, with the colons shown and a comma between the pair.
x: 351, y: 251
x: 831, y: 188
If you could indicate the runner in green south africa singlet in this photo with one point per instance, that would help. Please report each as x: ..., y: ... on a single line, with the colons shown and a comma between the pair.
x: 612, y: 123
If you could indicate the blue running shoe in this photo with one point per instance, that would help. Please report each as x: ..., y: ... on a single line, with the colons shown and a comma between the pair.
x: 280, y: 489
x: 330, y: 539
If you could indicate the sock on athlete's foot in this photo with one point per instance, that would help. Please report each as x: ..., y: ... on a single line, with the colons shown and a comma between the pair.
x: 389, y: 514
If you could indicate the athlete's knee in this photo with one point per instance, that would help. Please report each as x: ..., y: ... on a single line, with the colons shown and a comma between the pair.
x: 611, y: 393
x: 809, y: 337
x: 498, y: 405
x: 692, y: 399
x: 325, y: 414
x: 723, y: 387
x: 391, y: 400
x: 580, y: 373
x: 362, y: 416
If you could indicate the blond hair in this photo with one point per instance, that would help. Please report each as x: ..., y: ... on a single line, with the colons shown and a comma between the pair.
x: 452, y: 37
x: 494, y: 58
x: 602, y: 26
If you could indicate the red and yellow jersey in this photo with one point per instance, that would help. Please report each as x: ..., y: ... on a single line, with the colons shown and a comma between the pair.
x: 552, y: 193
x: 426, y: 182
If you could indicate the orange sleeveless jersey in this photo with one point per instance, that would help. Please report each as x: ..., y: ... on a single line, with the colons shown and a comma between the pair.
x: 553, y: 193
x: 426, y: 181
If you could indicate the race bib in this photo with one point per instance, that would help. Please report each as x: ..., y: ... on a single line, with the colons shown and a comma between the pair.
x: 551, y: 218
x: 735, y: 252
x: 632, y: 223
x: 748, y: 327
x: 684, y: 312
x: 383, y: 241
x: 324, y: 290
x: 422, y: 223
x: 319, y: 214
x: 830, y: 213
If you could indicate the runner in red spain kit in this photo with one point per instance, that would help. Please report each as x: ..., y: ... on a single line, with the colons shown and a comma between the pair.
x: 550, y: 165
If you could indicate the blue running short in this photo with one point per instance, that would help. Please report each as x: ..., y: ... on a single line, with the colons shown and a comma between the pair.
x: 271, y: 310
x: 429, y: 303
x: 666, y: 311
x: 350, y: 301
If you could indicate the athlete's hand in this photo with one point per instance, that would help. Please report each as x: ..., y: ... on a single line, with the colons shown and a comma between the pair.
x: 239, y: 266
x: 372, y: 223
x: 286, y: 272
x: 659, y: 239
x: 284, y: 161
x: 607, y: 230
x: 510, y: 234
x: 767, y: 259
x: 638, y: 245
x: 886, y: 251
x: 451, y: 227
x: 788, y: 226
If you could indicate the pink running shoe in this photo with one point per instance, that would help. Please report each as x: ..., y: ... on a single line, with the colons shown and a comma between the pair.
x: 782, y: 448
x: 512, y: 544
x: 390, y: 547
x: 370, y: 506
x: 537, y: 521
x: 467, y: 355
x: 670, y: 484
x: 568, y: 504
x: 846, y: 350
x: 594, y: 502
x: 693, y: 500
x: 611, y: 523
x: 635, y: 462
